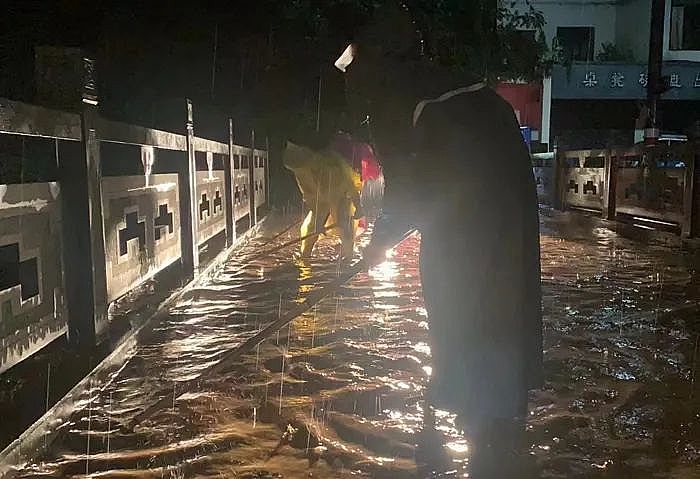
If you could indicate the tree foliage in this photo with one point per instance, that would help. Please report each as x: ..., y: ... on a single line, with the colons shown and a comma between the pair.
x: 609, y: 52
x: 523, y: 52
x: 487, y: 37
x: 258, y: 61
x: 259, y: 58
x: 304, y: 36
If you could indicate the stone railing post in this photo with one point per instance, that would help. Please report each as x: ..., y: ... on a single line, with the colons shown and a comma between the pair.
x: 251, y: 181
x: 229, y: 171
x: 188, y: 202
x: 688, y: 229
x: 558, y: 180
x: 267, y: 173
x: 610, y: 185
x: 83, y: 229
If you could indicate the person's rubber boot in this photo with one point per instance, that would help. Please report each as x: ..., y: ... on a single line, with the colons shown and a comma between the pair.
x: 499, y: 452
x: 509, y: 437
x: 430, y: 454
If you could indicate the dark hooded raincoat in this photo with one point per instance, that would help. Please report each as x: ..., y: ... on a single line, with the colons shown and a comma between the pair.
x: 469, y: 188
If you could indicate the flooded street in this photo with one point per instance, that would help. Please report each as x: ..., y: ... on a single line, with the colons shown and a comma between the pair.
x: 338, y: 392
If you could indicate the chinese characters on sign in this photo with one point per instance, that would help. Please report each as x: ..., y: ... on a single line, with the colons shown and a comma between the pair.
x: 675, y: 80
x: 617, y: 80
x: 624, y: 81
x: 590, y: 80
x: 643, y: 79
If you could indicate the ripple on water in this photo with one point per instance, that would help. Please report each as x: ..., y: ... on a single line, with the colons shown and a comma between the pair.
x: 338, y: 392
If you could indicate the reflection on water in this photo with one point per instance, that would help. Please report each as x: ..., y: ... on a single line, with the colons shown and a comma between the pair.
x: 337, y: 392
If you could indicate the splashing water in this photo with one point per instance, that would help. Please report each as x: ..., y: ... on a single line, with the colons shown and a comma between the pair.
x: 618, y: 400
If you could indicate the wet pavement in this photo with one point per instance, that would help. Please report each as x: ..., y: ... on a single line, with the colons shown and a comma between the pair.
x: 337, y: 392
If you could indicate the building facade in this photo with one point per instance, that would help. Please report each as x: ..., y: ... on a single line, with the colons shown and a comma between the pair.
x: 595, y: 96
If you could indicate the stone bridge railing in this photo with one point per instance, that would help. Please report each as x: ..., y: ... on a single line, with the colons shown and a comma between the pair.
x: 653, y: 185
x: 91, y: 208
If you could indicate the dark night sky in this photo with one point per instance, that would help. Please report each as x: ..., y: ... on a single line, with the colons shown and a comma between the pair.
x: 153, y: 54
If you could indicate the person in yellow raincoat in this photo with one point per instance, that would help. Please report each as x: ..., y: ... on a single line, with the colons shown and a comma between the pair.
x: 330, y: 189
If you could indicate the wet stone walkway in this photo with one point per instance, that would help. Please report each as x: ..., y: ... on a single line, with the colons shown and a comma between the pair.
x: 337, y: 392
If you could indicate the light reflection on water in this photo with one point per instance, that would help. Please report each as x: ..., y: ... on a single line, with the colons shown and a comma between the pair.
x: 337, y: 393
x: 385, y: 272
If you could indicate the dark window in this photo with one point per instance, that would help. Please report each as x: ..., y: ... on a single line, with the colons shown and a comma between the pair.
x: 578, y: 43
x: 685, y: 25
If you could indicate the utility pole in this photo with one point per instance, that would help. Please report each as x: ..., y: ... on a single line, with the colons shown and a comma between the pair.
x: 656, y: 84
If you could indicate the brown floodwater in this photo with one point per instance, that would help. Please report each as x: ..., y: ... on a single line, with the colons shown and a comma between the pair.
x: 338, y: 392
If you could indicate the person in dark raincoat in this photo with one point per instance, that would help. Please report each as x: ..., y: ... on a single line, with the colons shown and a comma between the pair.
x: 457, y: 169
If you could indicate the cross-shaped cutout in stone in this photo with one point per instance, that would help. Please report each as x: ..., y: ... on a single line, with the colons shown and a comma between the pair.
x: 572, y: 186
x: 204, y: 206
x: 134, y: 229
x: 236, y: 195
x: 218, y: 202
x: 162, y: 221
x: 590, y: 187
x: 245, y: 193
x: 14, y: 272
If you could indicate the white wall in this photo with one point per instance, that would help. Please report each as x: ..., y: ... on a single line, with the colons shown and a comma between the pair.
x: 546, y: 108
